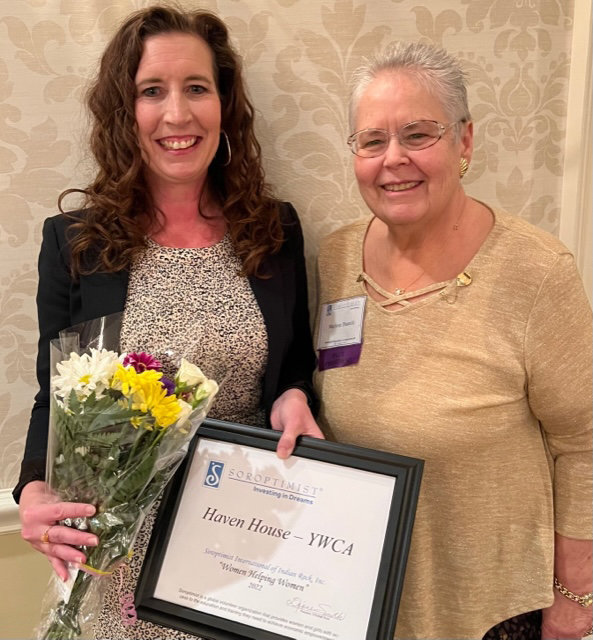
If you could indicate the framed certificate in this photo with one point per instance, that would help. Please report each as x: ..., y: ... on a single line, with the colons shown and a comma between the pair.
x: 248, y: 546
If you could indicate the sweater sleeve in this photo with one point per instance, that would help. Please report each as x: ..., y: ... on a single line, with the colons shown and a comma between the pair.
x: 53, y: 312
x: 558, y: 359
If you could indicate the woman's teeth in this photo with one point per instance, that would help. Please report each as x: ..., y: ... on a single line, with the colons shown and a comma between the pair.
x: 400, y: 187
x: 178, y: 144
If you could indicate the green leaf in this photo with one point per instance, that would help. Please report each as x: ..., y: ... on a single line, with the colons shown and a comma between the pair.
x: 104, y: 439
x: 135, y: 480
x: 73, y: 403
x: 111, y: 415
x: 64, y: 427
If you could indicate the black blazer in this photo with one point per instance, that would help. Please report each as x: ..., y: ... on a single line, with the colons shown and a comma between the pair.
x: 63, y: 302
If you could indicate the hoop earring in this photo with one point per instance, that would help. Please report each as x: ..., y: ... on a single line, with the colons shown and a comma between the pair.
x: 228, y: 148
x: 463, y: 167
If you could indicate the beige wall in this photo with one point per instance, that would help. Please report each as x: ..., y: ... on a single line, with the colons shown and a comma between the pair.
x: 530, y: 158
x: 25, y: 575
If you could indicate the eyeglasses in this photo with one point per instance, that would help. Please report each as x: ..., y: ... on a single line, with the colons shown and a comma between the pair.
x: 420, y: 134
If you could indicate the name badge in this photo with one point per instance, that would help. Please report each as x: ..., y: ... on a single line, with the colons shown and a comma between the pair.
x: 340, y: 332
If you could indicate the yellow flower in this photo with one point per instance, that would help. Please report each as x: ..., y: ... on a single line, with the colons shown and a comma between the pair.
x: 136, y: 422
x: 166, y: 411
x: 146, y: 393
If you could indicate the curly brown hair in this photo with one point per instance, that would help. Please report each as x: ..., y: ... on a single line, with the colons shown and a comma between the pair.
x: 118, y: 206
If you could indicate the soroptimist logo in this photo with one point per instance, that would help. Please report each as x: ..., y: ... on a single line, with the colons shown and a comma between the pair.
x: 214, y: 474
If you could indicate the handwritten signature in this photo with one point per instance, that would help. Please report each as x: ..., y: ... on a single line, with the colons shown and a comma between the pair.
x: 321, y: 610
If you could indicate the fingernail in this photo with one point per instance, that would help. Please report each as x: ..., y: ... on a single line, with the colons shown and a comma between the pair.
x: 89, y: 511
x: 92, y: 541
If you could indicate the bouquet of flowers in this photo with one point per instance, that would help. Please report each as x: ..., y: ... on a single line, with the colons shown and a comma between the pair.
x: 118, y: 431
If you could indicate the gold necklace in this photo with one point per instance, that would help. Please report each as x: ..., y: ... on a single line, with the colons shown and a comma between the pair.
x: 399, y: 291
x: 456, y: 225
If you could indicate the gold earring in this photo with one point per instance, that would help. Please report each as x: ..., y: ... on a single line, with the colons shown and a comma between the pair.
x: 463, y: 167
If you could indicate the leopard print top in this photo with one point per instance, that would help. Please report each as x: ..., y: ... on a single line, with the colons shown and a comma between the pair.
x: 190, y: 303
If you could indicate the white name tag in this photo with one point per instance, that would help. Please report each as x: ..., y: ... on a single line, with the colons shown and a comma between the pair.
x: 340, y: 323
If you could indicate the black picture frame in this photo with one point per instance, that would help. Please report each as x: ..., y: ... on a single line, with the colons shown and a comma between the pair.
x: 395, y: 544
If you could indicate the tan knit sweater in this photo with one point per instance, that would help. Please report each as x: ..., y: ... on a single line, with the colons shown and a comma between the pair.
x: 482, y: 382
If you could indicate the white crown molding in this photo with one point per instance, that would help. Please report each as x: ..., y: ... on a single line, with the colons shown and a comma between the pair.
x: 9, y: 513
x: 577, y: 206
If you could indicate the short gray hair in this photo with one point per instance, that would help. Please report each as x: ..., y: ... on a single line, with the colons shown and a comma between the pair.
x: 439, y: 72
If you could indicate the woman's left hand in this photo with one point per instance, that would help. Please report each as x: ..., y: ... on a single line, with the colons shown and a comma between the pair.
x: 565, y: 620
x: 291, y: 415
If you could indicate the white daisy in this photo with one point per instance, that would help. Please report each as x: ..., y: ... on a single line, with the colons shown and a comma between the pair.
x: 85, y: 373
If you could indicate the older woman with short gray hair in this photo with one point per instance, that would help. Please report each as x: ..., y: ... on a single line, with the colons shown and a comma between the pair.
x: 475, y: 356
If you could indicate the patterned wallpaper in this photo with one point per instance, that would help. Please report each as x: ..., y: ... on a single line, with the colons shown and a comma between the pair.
x: 298, y: 57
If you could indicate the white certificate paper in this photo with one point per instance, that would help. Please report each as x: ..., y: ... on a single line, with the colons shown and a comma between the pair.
x: 259, y: 541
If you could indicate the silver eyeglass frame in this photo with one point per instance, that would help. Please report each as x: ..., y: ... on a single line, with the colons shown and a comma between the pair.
x: 441, y: 127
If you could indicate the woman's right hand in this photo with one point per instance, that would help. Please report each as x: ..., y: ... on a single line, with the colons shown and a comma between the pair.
x: 40, y: 514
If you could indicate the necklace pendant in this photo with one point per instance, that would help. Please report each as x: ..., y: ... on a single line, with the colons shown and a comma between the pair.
x: 398, y: 292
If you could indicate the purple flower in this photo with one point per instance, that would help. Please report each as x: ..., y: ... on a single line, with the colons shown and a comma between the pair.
x: 168, y: 385
x: 142, y: 362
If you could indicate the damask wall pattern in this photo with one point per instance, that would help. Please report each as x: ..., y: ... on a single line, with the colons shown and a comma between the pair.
x: 298, y: 57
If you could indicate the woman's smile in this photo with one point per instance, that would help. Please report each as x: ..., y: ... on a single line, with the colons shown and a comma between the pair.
x: 401, y: 186
x: 176, y: 143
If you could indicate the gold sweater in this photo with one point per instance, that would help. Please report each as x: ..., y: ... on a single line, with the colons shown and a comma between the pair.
x: 490, y: 384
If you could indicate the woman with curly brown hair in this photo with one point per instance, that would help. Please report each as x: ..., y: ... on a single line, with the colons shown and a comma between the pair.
x: 180, y: 232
